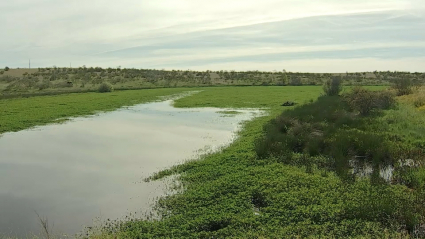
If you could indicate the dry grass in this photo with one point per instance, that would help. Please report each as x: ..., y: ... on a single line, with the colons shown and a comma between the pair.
x: 19, y: 72
x: 417, y: 98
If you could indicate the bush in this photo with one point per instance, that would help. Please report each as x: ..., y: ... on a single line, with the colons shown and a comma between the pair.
x: 61, y: 84
x: 385, y: 100
x: 8, y: 79
x: 44, y: 85
x: 365, y: 101
x: 412, y: 177
x: 295, y: 81
x: 105, y: 87
x: 360, y: 100
x: 333, y: 86
x: 403, y: 86
x: 1, y: 72
x: 6, y: 68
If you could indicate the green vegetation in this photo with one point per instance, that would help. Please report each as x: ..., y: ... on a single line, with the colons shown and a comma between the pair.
x: 22, y: 113
x: 344, y: 134
x: 56, y: 80
x: 403, y: 86
x: 297, y: 185
x: 366, y: 102
x: 228, y: 113
x: 333, y: 86
x: 105, y: 87
x: 237, y: 194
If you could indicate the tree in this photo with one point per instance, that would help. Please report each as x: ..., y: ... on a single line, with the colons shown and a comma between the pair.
x: 6, y: 68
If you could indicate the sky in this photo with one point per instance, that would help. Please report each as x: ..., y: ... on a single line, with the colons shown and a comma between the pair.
x: 268, y: 35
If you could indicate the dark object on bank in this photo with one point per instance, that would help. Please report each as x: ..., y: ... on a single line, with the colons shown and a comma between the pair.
x: 289, y: 103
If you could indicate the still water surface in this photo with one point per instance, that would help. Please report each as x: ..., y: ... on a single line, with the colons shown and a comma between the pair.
x: 93, y: 167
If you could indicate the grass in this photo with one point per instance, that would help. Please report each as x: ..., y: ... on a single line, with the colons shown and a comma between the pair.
x: 229, y: 112
x: 250, y: 97
x: 22, y: 113
x: 417, y: 99
x: 331, y: 131
x: 234, y: 193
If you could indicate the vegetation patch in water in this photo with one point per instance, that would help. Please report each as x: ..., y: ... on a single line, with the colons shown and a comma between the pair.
x: 229, y: 113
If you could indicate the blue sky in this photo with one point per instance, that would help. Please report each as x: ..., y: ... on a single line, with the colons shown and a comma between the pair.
x: 295, y: 35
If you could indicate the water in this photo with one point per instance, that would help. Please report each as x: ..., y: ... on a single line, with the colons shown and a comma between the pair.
x: 94, y: 167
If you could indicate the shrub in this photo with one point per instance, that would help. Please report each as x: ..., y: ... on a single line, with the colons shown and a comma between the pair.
x: 360, y: 100
x: 6, y: 68
x: 365, y: 101
x: 385, y: 99
x: 62, y: 84
x: 44, y: 85
x: 8, y: 79
x: 403, y: 86
x: 1, y: 72
x: 296, y: 81
x: 413, y: 177
x: 105, y: 87
x: 333, y: 86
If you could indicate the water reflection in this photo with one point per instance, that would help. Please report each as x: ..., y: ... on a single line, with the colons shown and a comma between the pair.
x: 94, y: 167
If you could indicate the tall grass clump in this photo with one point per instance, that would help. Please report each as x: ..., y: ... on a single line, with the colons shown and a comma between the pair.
x: 419, y: 100
x: 333, y: 86
x: 105, y: 87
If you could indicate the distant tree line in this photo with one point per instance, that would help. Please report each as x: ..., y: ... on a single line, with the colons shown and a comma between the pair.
x: 124, y: 78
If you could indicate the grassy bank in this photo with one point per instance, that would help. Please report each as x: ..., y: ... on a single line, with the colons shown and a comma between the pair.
x: 22, y: 113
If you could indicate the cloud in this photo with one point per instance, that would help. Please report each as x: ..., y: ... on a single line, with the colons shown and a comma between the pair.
x: 100, y: 32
